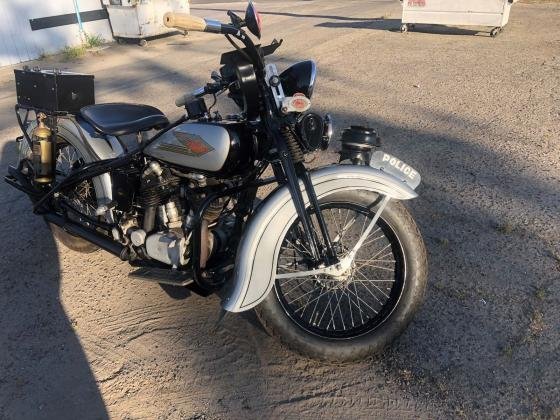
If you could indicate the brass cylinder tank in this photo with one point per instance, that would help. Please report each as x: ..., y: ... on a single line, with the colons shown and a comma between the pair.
x: 43, y: 151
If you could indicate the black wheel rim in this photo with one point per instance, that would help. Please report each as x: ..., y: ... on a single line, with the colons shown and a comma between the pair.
x: 336, y: 308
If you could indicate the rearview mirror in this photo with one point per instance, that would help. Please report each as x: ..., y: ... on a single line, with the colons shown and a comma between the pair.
x: 253, y: 20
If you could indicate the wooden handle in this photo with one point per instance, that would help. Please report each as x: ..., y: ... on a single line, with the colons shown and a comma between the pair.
x: 184, y: 22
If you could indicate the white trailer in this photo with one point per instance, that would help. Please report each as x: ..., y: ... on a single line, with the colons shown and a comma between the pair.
x: 491, y: 13
x: 141, y: 19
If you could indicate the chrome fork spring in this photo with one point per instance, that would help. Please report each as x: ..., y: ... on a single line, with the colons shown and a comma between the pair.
x: 293, y: 146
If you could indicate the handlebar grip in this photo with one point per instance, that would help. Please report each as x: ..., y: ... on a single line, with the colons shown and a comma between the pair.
x: 184, y: 22
x: 182, y: 100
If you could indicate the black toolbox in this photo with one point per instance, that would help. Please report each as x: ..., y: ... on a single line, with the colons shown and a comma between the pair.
x: 54, y: 91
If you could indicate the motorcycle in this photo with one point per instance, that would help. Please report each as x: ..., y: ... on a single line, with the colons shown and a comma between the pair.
x: 330, y: 260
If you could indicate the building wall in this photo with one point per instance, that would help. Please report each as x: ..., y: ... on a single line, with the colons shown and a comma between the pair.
x: 18, y: 42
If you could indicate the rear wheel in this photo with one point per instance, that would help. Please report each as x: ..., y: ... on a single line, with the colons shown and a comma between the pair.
x: 356, y: 315
x: 82, y: 198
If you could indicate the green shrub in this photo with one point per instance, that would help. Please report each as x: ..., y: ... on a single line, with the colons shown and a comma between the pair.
x: 72, y: 53
x: 93, y: 41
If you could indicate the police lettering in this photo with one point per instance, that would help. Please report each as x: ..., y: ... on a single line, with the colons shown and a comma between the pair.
x: 401, y: 166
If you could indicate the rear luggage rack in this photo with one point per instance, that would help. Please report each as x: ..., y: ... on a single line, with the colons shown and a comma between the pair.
x: 53, y: 92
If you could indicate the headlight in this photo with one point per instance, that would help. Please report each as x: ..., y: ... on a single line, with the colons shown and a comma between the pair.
x: 299, y: 78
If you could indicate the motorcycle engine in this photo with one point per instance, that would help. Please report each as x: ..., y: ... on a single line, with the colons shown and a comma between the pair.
x: 169, y: 245
x: 165, y: 235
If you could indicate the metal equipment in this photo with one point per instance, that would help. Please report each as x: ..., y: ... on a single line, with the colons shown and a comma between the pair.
x: 492, y: 13
x: 141, y: 19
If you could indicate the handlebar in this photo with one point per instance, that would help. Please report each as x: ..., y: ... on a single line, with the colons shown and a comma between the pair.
x: 210, y: 88
x: 187, y: 22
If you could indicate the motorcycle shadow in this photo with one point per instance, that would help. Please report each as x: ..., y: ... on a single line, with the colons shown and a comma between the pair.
x: 45, y: 373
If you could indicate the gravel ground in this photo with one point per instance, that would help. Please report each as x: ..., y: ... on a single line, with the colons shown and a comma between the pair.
x: 478, y: 117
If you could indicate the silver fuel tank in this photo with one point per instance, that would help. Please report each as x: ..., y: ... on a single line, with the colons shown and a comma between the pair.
x: 214, y: 148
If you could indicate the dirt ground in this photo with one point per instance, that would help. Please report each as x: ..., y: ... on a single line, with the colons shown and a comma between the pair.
x: 478, y: 117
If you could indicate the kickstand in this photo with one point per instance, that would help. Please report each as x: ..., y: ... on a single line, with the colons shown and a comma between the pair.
x: 221, y: 317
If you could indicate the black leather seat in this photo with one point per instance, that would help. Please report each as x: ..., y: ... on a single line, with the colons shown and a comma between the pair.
x: 117, y: 119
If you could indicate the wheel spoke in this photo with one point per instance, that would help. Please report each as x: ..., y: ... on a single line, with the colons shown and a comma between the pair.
x: 332, y: 313
x: 374, y: 266
x: 345, y: 227
x: 358, y: 301
x: 349, y: 307
x: 376, y: 260
x: 298, y: 285
x: 301, y: 251
x: 357, y: 305
x: 363, y: 301
x: 302, y: 296
x: 376, y: 255
x: 303, y: 308
x: 371, y: 241
x: 339, y: 310
x: 373, y: 281
x: 373, y: 284
x: 326, y: 307
x: 316, y: 303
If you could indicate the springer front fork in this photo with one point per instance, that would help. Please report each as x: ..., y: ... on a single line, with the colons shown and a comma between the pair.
x: 326, y: 262
x: 323, y: 252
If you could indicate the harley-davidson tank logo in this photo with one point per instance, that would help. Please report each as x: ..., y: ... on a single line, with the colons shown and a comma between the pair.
x: 189, y: 144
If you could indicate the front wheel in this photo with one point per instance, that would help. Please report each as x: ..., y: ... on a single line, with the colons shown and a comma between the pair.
x: 349, y: 317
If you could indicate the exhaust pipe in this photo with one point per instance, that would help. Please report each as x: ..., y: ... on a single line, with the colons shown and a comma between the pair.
x: 89, y: 235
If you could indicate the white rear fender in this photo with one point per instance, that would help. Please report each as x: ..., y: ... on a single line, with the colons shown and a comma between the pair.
x: 255, y: 267
x: 92, y: 147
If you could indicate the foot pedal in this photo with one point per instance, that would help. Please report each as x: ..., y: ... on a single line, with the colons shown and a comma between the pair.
x: 163, y: 276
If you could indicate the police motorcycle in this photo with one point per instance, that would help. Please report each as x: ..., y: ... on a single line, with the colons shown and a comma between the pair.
x: 330, y: 260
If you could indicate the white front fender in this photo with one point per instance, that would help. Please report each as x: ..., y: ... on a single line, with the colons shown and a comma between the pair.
x: 255, y: 266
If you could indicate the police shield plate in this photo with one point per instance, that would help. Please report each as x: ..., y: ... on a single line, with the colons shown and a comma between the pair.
x: 396, y: 167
